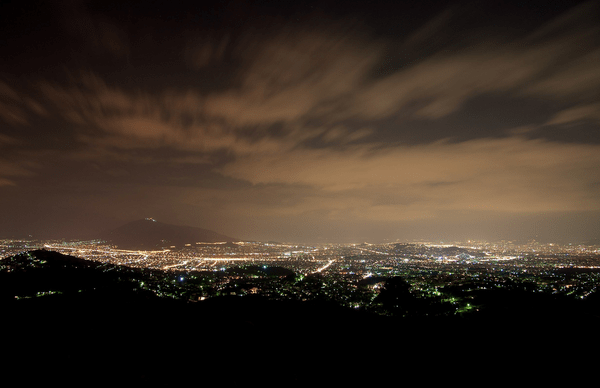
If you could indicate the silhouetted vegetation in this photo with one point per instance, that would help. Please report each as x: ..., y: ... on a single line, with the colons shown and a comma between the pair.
x: 139, y: 316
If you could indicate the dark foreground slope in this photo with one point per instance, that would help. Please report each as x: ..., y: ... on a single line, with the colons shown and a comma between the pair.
x: 74, y: 320
x: 84, y: 322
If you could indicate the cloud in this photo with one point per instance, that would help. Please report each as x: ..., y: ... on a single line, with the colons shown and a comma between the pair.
x: 295, y: 74
x: 506, y: 175
x: 95, y: 33
x: 202, y: 51
x: 12, y: 115
x: 15, y: 107
x: 580, y: 78
x: 442, y: 83
x: 11, y: 169
x: 6, y: 140
x: 327, y: 74
x: 297, y: 84
x: 303, y: 102
x: 577, y: 113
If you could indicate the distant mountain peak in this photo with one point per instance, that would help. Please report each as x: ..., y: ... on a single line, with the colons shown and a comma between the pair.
x: 150, y: 234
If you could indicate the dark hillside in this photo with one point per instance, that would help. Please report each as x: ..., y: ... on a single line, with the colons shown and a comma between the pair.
x: 64, y: 313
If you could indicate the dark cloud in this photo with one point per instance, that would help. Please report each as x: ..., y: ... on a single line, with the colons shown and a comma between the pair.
x: 303, y: 120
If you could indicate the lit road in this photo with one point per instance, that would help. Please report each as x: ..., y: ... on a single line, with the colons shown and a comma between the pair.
x: 176, y: 265
x: 324, y: 267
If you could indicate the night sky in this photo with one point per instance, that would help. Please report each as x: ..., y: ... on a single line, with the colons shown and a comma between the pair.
x: 311, y: 122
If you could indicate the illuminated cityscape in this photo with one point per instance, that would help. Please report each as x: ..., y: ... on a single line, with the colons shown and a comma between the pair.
x: 351, y: 275
x: 186, y: 184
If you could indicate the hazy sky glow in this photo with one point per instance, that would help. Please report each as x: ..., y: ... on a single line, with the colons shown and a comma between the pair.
x: 332, y: 121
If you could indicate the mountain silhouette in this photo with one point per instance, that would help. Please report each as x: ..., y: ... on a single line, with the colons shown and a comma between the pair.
x: 149, y: 234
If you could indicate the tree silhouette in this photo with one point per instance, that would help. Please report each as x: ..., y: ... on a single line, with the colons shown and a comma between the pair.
x: 395, y: 296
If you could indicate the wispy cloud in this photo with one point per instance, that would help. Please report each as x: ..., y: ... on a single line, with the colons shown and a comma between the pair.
x: 93, y: 33
x: 311, y: 83
x: 509, y: 175
x: 302, y: 103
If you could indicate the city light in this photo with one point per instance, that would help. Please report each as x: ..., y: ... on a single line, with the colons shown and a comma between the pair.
x: 427, y: 267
